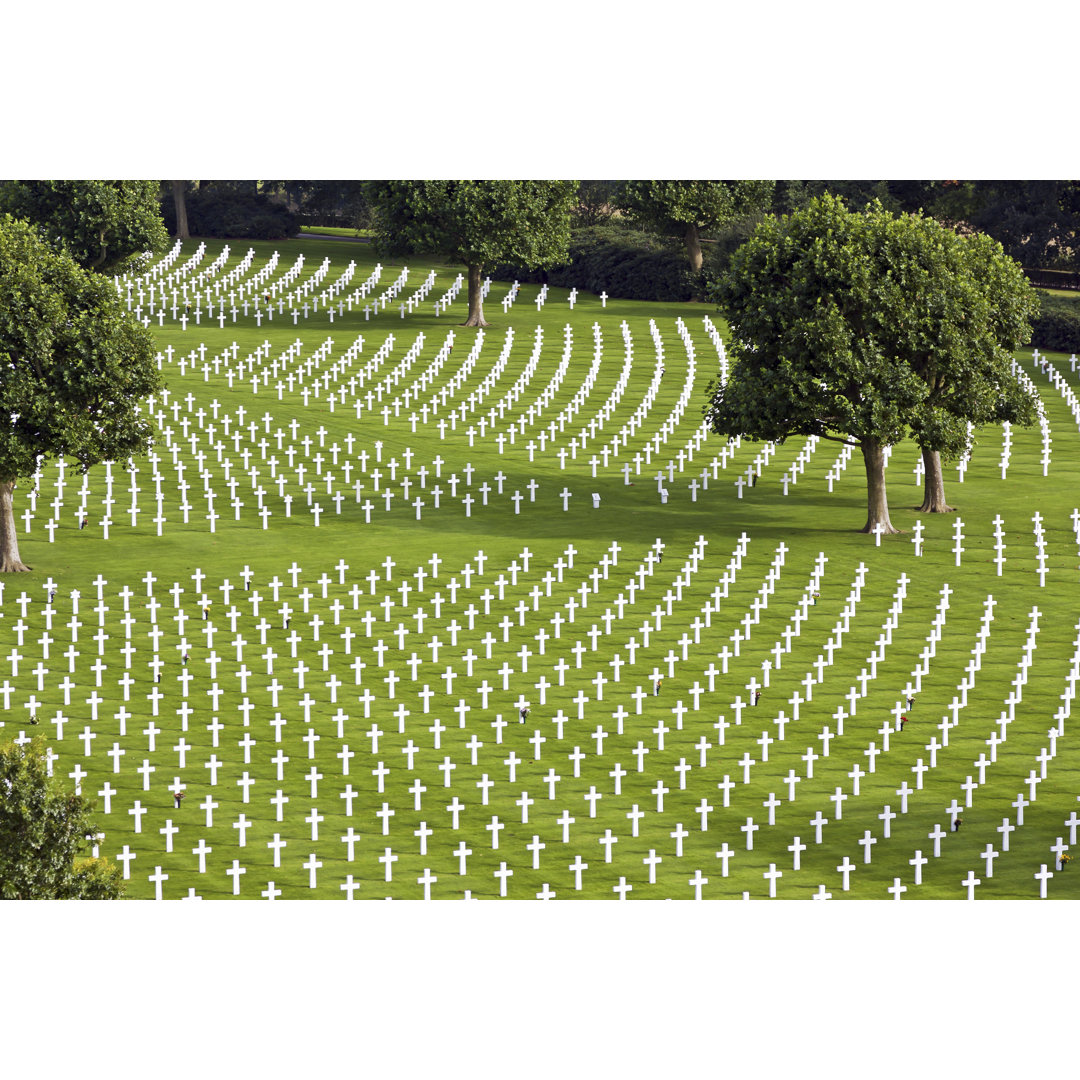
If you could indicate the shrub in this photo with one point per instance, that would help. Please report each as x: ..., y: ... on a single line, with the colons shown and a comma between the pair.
x: 1057, y: 328
x: 224, y: 212
x: 624, y: 263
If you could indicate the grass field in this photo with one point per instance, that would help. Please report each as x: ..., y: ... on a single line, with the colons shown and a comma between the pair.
x: 346, y: 722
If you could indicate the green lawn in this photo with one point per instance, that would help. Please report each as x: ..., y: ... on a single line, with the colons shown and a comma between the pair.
x: 276, y: 713
x: 332, y: 230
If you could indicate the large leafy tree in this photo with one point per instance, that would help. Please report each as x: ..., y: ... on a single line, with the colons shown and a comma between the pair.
x: 691, y: 207
x: 104, y: 225
x: 73, y: 366
x: 864, y: 327
x: 475, y: 222
x: 43, y: 834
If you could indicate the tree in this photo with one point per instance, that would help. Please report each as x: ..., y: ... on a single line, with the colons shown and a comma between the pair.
x: 1036, y: 221
x: 863, y: 327
x: 475, y: 222
x: 104, y: 225
x: 327, y: 202
x: 690, y: 207
x: 73, y: 366
x: 975, y: 387
x: 43, y: 829
x: 594, y: 203
x: 179, y: 194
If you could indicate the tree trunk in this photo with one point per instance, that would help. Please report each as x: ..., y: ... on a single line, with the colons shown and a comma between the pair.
x: 476, y: 301
x: 877, y: 506
x: 933, y: 485
x: 179, y: 192
x: 9, y: 540
x: 693, y: 247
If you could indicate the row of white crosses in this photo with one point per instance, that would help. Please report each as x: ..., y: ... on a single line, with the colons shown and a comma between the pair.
x: 442, y: 305
x: 920, y: 768
x: 247, y: 368
x: 157, y: 269
x: 419, y: 294
x: 511, y: 296
x: 388, y: 295
x: 826, y: 735
x: 958, y: 703
x: 212, y: 764
x: 144, y: 292
x: 260, y: 439
x: 798, y: 466
x: 607, y: 410
x: 148, y: 771
x: 247, y: 295
x: 1040, y: 410
x: 184, y: 289
x: 1006, y: 448
x: 264, y: 443
x: 557, y: 425
x: 1036, y: 775
x: 1040, y: 547
x: 244, y: 291
x: 638, y: 418
x: 186, y: 268
x: 1061, y: 384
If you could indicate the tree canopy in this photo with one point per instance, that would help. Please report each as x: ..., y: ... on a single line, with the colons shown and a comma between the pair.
x: 689, y: 207
x: 104, y: 225
x: 43, y: 834
x: 864, y: 327
x: 475, y: 222
x: 74, y: 364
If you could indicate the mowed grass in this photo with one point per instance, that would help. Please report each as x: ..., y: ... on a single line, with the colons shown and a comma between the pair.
x: 248, y: 681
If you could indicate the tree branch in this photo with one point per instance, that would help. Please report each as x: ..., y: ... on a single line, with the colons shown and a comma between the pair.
x: 837, y: 438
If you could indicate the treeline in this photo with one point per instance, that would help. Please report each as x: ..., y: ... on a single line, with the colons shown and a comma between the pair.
x: 260, y: 209
x: 671, y: 240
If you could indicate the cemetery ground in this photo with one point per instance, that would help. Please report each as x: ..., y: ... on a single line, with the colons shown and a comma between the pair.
x: 356, y: 553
